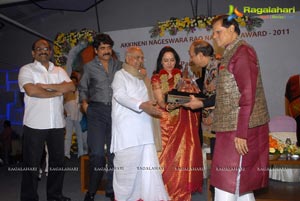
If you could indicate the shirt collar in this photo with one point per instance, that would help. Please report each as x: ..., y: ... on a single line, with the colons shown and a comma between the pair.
x: 39, y: 64
x: 98, y: 60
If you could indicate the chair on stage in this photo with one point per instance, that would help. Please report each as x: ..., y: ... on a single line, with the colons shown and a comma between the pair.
x: 283, y: 127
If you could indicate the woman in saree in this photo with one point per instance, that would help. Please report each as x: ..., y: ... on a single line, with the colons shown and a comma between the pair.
x: 181, y: 154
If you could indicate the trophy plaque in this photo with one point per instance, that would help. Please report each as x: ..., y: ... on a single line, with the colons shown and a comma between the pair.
x: 178, y: 97
x: 184, y: 88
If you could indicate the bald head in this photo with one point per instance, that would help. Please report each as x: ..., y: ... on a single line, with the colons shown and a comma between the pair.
x: 134, y: 56
x: 202, y: 46
x: 133, y: 50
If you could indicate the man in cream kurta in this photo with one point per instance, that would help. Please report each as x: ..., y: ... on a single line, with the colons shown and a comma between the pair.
x: 137, y: 173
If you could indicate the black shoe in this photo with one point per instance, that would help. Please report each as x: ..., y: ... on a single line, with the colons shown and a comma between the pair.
x: 111, y: 196
x: 89, y: 196
x: 62, y: 198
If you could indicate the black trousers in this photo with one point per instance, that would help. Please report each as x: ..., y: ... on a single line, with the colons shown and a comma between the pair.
x: 98, y: 135
x: 33, y: 146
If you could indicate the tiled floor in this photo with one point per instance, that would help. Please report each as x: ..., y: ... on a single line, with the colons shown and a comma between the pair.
x: 10, y: 180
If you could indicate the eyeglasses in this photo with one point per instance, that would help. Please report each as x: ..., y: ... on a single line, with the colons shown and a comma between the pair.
x: 38, y: 49
x: 137, y: 57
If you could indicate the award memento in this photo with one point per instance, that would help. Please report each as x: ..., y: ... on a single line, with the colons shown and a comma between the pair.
x: 179, y: 97
x: 185, y: 87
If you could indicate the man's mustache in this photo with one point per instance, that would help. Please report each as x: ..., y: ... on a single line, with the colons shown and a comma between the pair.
x: 107, y: 54
x: 43, y: 54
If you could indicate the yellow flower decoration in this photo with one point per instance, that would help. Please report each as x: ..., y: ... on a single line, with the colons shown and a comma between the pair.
x: 64, y: 42
x: 174, y: 25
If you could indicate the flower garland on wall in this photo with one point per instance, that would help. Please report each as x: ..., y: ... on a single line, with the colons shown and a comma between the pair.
x: 64, y: 42
x: 175, y: 25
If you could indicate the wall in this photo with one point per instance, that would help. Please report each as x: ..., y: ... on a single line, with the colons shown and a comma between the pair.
x: 113, y: 15
x: 15, y: 49
x: 276, y: 43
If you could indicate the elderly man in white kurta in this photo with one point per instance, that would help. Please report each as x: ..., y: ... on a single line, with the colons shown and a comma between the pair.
x: 137, y: 174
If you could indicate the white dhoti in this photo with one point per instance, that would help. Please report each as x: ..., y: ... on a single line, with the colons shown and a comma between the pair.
x: 137, y: 175
x: 221, y: 195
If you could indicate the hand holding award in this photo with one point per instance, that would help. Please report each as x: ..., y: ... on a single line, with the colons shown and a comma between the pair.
x: 185, y: 88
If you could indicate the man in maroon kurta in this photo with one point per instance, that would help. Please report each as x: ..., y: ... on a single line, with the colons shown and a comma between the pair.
x: 240, y: 162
